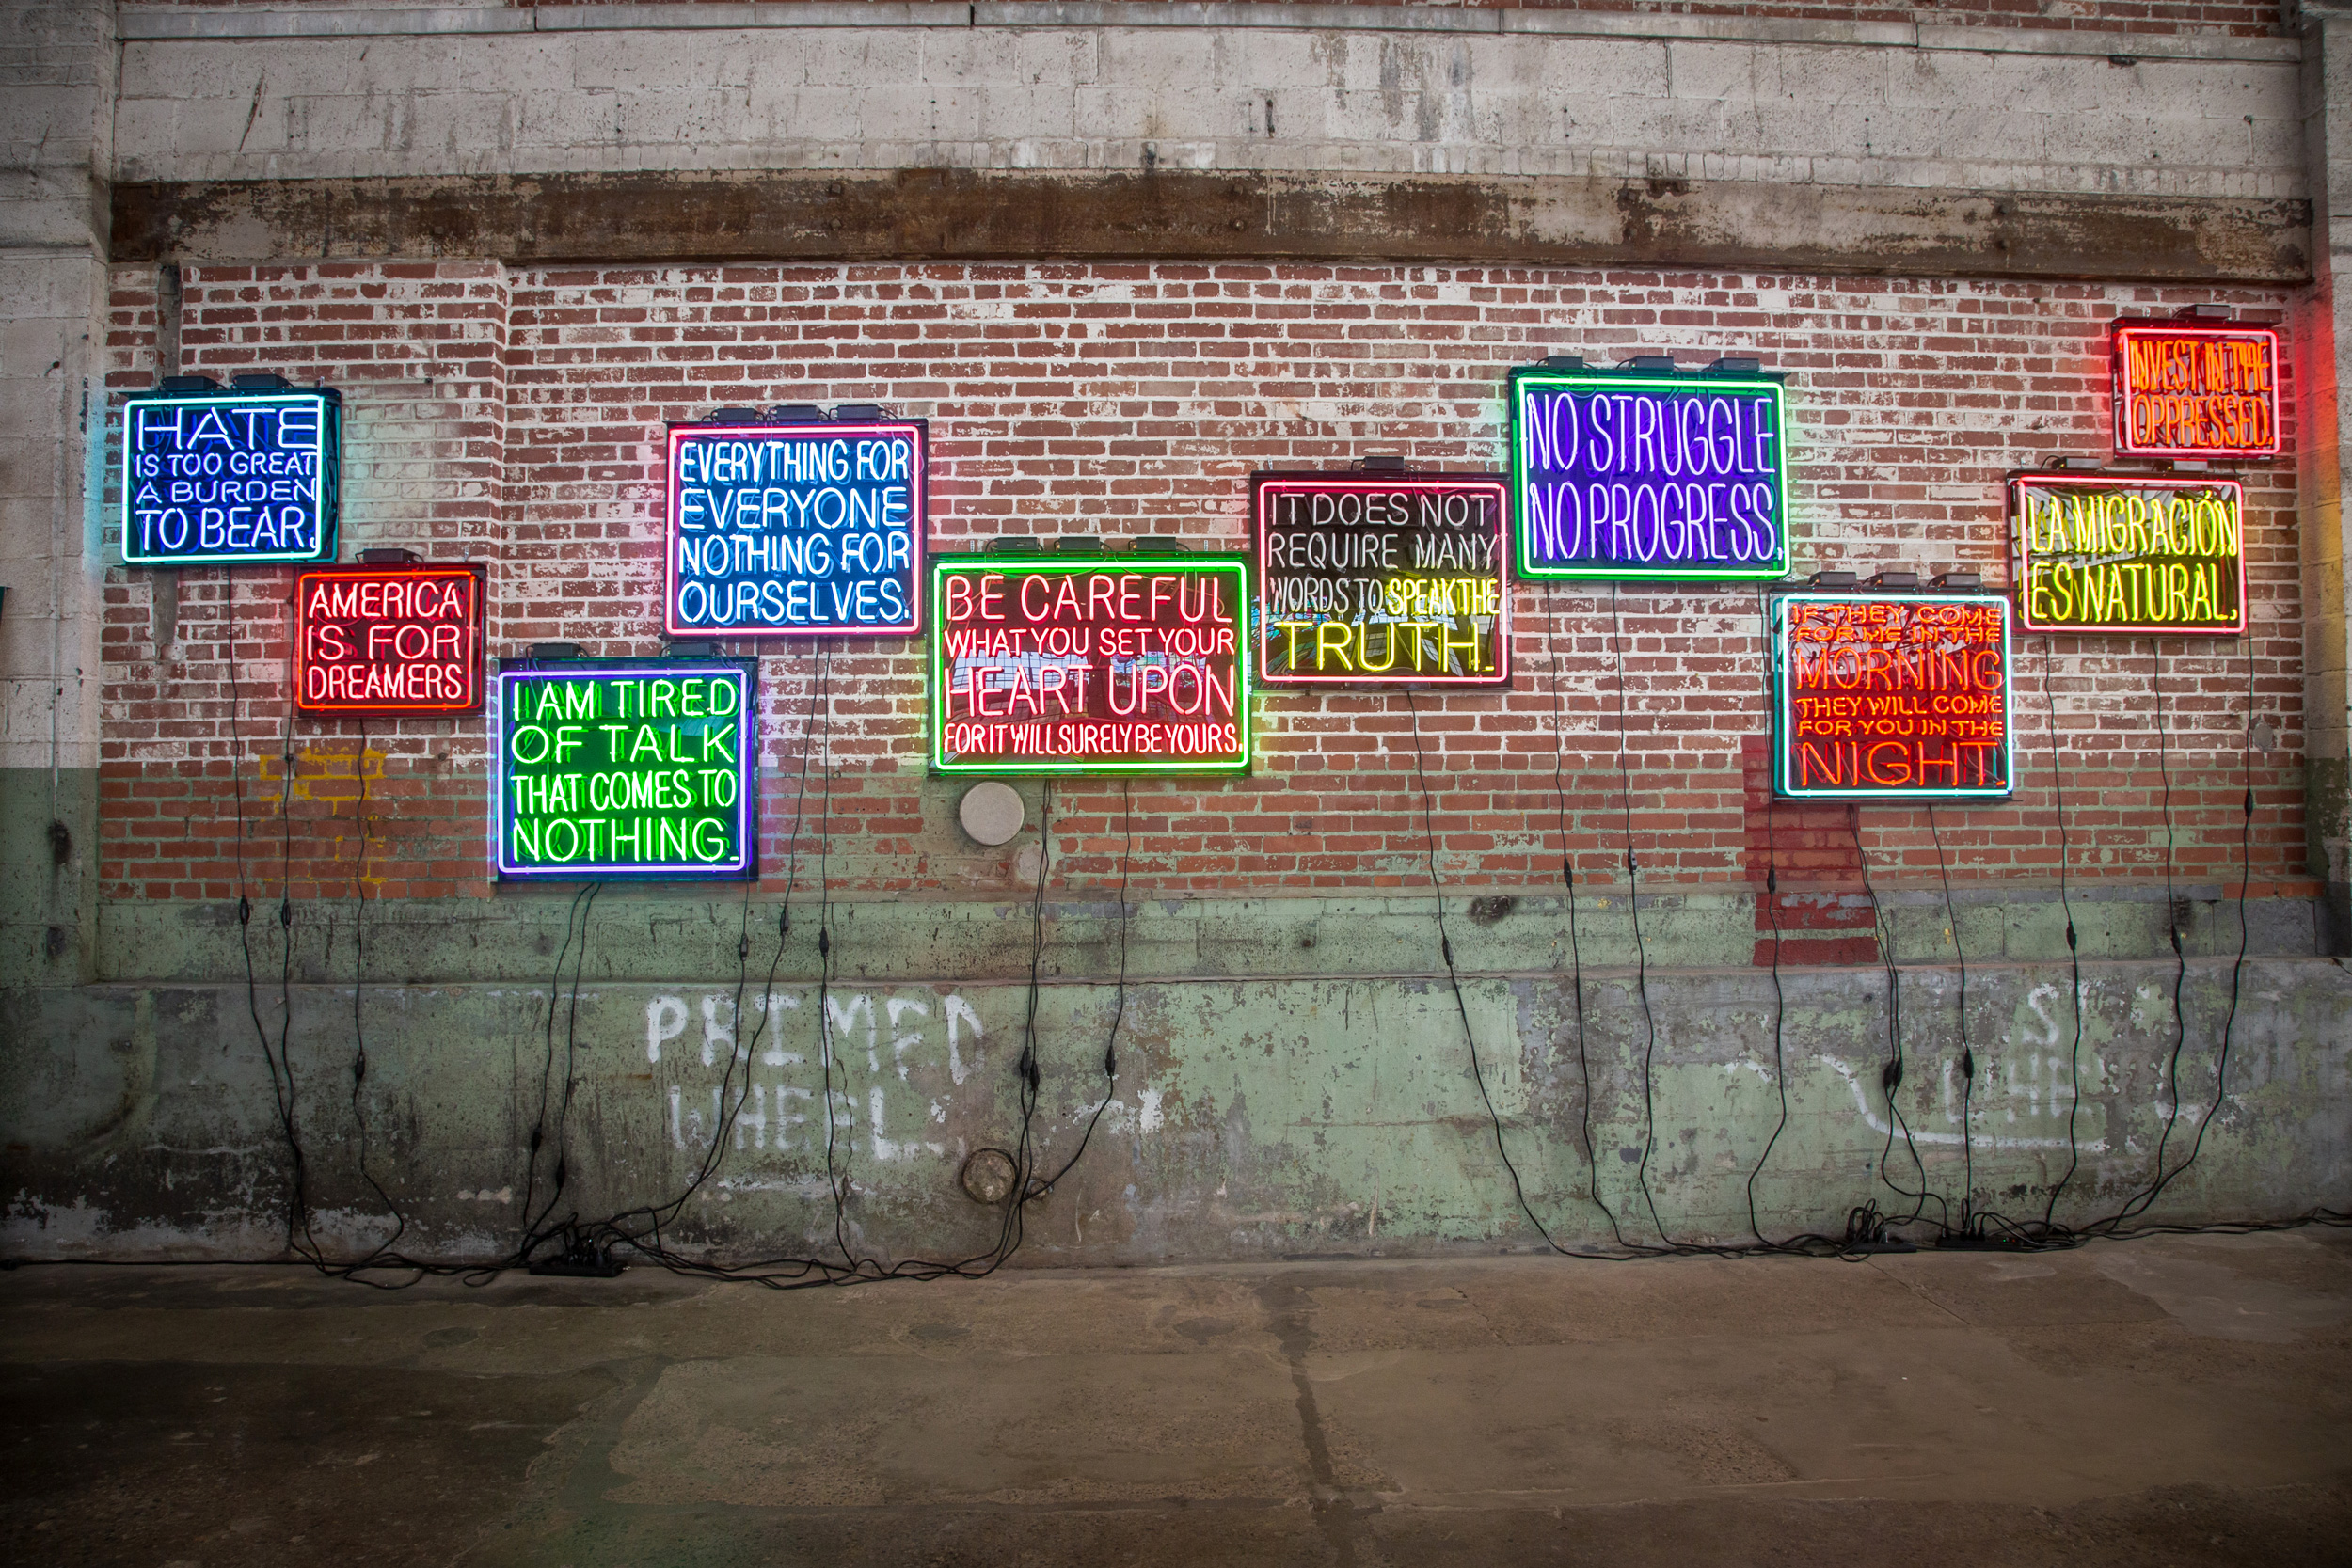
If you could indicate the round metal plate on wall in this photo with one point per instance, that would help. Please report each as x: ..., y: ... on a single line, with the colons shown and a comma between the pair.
x: 988, y: 1176
x: 990, y: 813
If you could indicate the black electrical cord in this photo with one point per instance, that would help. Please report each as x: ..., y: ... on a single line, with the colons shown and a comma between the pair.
x: 1968, y: 1056
x: 1641, y: 949
x: 1119, y: 1006
x: 1891, y: 1071
x: 1771, y: 906
x: 2073, y: 953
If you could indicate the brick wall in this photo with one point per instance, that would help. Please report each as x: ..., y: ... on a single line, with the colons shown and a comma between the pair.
x: 516, y: 418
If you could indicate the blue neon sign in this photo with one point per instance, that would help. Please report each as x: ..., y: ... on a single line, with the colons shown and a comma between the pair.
x: 229, y: 478
x: 796, y: 530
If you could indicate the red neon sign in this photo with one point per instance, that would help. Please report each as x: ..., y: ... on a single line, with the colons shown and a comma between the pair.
x: 2189, y: 390
x: 388, y: 641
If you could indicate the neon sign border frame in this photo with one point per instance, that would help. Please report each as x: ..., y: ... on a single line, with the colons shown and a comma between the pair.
x: 918, y: 525
x: 479, y: 571
x: 2020, y: 562
x: 1261, y: 481
x: 327, y: 455
x: 935, y: 666
x: 1783, y: 720
x: 2120, y: 394
x: 1544, y: 378
x: 747, y: 793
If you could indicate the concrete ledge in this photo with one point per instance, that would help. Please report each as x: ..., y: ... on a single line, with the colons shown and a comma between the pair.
x: 1181, y: 215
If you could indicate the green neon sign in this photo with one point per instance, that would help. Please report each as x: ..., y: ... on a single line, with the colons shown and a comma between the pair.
x: 626, y: 768
x: 1625, y: 477
x: 1102, y: 664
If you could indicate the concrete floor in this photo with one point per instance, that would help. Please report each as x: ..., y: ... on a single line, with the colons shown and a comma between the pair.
x: 2176, y: 1400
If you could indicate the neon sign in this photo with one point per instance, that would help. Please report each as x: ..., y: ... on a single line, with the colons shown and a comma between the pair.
x: 388, y: 641
x: 2128, y: 554
x: 1106, y: 665
x: 796, y: 530
x: 2187, y: 390
x: 230, y: 478
x: 626, y: 768
x: 1891, y: 697
x: 1648, y: 476
x: 1381, y: 580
